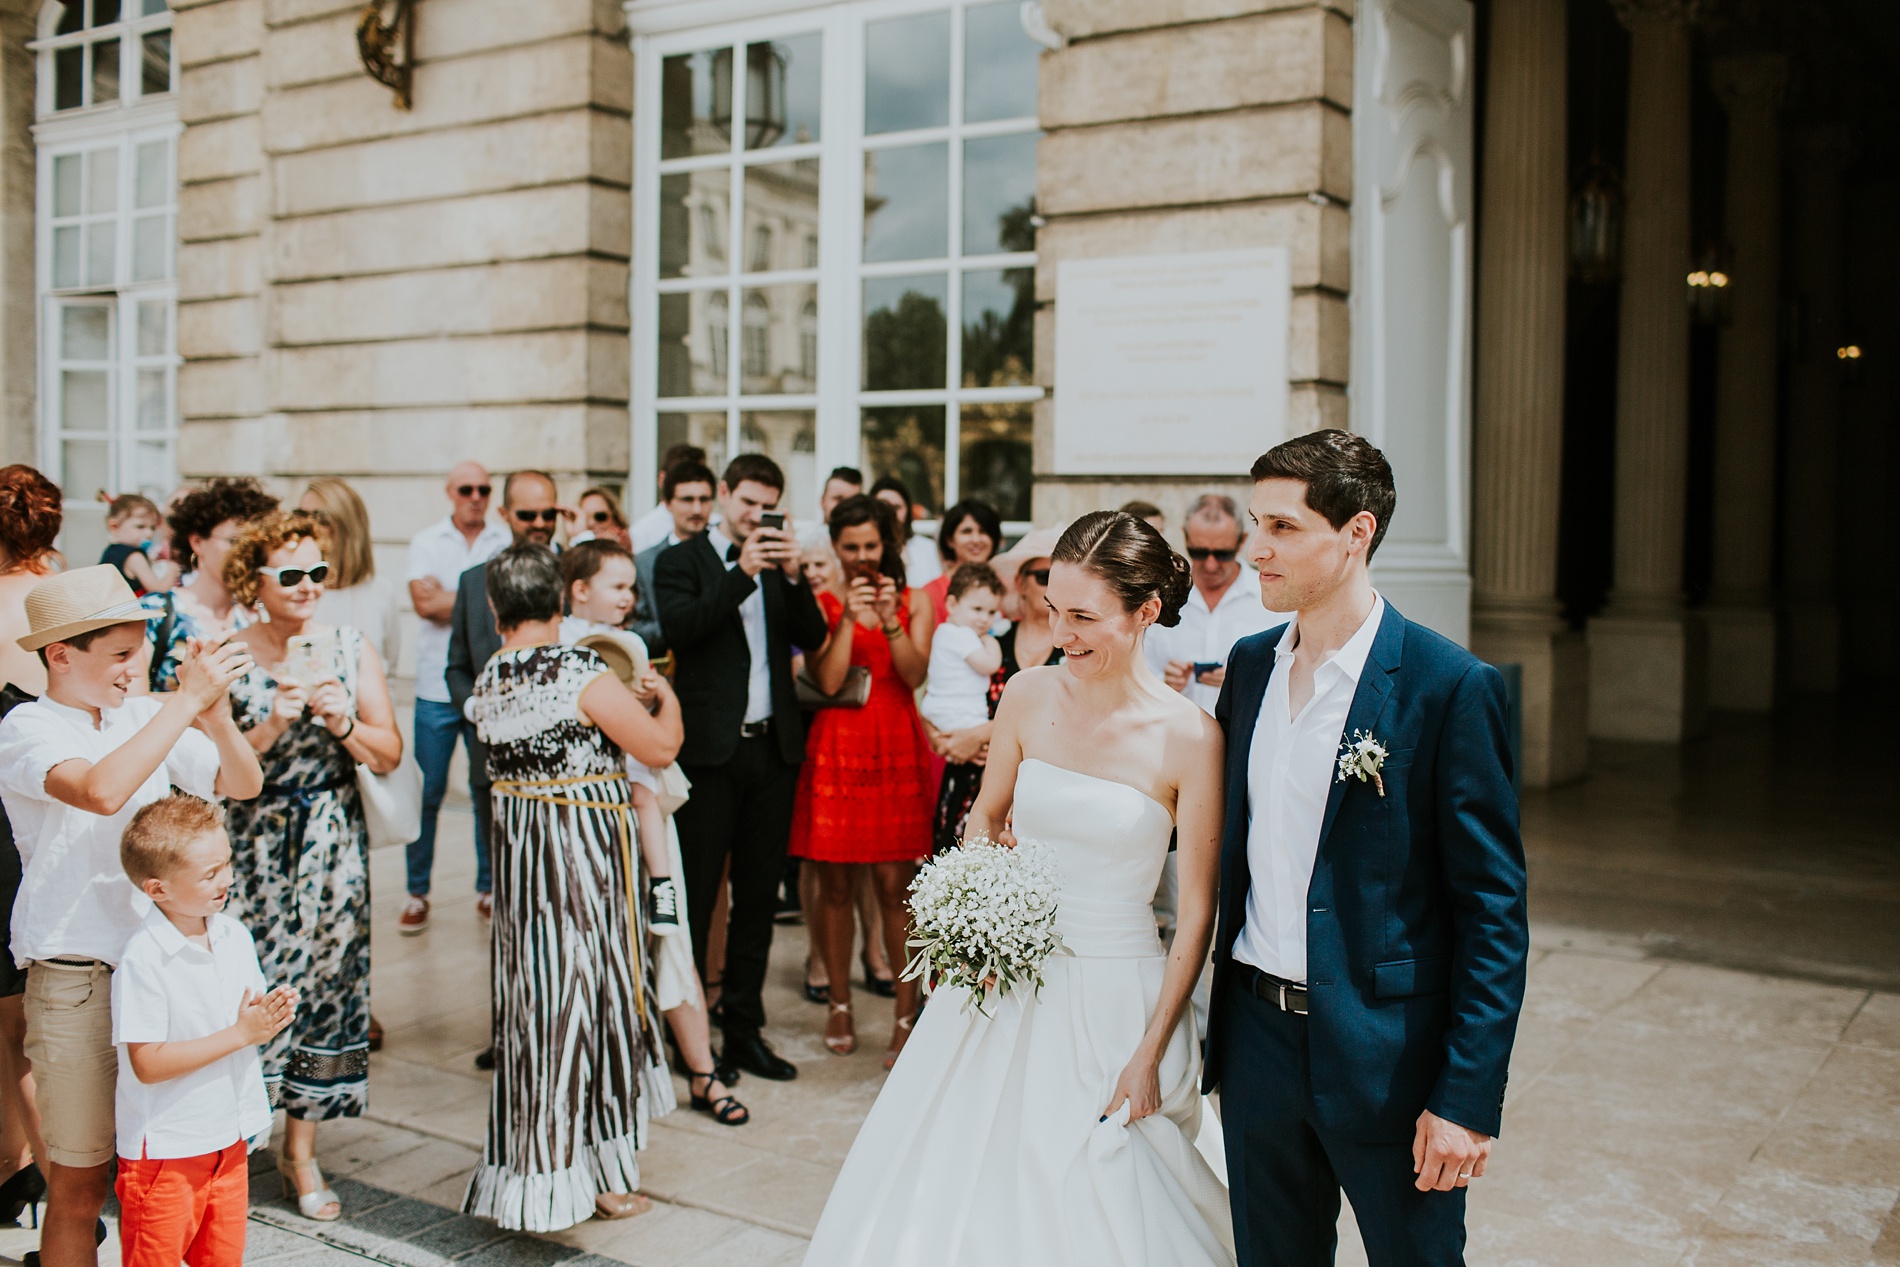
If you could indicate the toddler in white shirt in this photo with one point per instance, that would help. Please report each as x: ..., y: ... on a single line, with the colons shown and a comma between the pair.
x: 963, y: 654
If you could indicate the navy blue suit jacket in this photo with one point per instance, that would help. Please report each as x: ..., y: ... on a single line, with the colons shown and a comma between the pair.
x: 1416, y: 932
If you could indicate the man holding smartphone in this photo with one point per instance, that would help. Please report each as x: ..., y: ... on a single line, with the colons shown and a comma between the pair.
x: 1192, y: 656
x: 732, y: 604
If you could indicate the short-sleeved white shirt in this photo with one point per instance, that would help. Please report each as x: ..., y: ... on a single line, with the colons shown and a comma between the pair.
x: 441, y: 551
x: 651, y: 528
x: 958, y: 696
x: 74, y: 897
x: 168, y: 990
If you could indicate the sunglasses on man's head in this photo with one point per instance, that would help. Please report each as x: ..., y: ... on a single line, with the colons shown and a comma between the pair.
x: 1039, y: 575
x: 290, y: 578
x: 529, y: 516
x: 1201, y: 554
x: 474, y: 490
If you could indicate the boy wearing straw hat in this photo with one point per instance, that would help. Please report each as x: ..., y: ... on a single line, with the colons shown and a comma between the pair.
x: 75, y: 766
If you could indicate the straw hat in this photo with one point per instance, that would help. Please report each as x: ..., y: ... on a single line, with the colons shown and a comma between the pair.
x: 624, y: 653
x: 78, y: 602
x: 1037, y: 543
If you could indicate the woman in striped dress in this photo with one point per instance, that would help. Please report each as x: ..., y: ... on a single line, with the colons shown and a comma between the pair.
x: 578, y: 1072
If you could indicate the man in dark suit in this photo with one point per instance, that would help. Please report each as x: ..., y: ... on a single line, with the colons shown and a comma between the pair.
x: 687, y: 494
x: 527, y: 506
x: 732, y: 605
x: 1369, y: 960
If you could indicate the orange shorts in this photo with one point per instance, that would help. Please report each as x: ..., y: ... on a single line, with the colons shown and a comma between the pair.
x: 184, y: 1209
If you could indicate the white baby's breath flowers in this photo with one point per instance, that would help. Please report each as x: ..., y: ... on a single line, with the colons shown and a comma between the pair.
x: 984, y: 917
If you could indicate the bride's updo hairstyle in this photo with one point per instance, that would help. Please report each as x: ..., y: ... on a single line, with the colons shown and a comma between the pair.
x: 1131, y: 558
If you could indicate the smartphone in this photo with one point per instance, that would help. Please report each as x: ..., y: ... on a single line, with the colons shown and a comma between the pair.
x: 1205, y: 666
x: 773, y: 519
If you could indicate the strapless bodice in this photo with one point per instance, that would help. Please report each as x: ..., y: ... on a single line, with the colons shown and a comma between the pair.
x: 1109, y: 842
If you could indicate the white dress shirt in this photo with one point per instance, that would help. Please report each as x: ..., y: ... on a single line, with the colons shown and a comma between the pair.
x: 758, y: 691
x: 1208, y: 637
x: 74, y: 898
x: 441, y: 551
x: 651, y: 528
x: 169, y: 990
x: 1290, y: 770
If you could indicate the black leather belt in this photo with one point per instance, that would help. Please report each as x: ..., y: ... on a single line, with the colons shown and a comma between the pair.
x: 755, y: 729
x: 1288, y: 996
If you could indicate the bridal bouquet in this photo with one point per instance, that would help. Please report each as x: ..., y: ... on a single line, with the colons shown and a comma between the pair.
x: 984, y: 916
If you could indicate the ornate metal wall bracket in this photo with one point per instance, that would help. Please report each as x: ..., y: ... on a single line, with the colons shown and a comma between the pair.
x: 389, y: 48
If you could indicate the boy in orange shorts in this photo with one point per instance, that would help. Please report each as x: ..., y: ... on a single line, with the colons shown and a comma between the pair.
x: 189, y: 1010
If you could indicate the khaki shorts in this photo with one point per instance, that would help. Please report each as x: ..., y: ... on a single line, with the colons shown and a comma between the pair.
x: 75, y: 1066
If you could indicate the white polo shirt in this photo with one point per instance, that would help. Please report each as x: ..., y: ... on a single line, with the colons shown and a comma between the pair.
x: 441, y: 551
x: 1208, y: 636
x: 1290, y: 771
x: 74, y: 898
x: 168, y: 990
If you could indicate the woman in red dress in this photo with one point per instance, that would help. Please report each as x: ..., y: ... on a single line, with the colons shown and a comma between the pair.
x: 865, y: 792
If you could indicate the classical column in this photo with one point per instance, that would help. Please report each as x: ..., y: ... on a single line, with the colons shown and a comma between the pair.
x: 1517, y: 446
x: 1645, y: 653
x: 1739, y: 617
x: 1811, y: 614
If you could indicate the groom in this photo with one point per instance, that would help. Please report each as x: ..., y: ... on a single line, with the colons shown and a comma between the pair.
x: 1369, y: 961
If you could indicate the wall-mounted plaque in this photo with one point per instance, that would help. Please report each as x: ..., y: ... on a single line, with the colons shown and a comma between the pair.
x: 1170, y: 364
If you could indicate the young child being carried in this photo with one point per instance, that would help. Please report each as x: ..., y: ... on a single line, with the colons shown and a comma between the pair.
x: 190, y: 1008
x: 130, y: 522
x: 601, y: 579
x: 964, y: 655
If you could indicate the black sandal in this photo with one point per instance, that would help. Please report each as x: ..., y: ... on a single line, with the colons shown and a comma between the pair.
x: 815, y: 993
x: 883, y: 987
x: 726, y: 1110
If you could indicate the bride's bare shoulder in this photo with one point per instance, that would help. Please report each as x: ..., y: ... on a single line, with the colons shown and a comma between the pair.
x: 1192, y: 728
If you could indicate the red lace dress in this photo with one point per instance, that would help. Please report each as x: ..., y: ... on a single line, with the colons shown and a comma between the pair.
x: 865, y: 791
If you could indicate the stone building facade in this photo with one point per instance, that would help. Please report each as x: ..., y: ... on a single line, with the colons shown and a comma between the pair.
x: 836, y: 232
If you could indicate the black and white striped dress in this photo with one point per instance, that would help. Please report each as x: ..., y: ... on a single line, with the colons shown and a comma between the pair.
x: 577, y: 1072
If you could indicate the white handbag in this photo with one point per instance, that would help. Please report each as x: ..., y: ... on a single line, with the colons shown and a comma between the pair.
x: 392, y: 803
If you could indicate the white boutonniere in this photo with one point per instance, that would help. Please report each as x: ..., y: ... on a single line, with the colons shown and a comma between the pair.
x: 1362, y: 757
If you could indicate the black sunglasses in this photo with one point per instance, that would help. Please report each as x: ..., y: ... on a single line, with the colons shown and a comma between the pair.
x: 1039, y: 575
x: 529, y: 516
x: 290, y: 578
x: 1201, y: 554
x: 475, y: 490
x: 600, y: 516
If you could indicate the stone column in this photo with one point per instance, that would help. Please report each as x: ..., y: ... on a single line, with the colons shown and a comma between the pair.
x: 1645, y: 652
x: 19, y: 295
x: 1811, y: 615
x: 1517, y: 444
x: 1739, y: 617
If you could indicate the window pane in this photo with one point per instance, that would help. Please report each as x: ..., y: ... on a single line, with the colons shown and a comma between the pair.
x: 694, y: 92
x: 999, y: 64
x: 155, y: 62
x: 905, y: 332
x: 783, y: 91
x: 907, y: 441
x: 69, y: 77
x: 105, y: 12
x: 66, y: 185
x: 907, y: 73
x: 693, y: 209
x: 99, y: 247
x: 85, y: 332
x: 999, y: 194
x: 790, y: 438
x: 85, y: 406
x: 999, y: 327
x: 693, y: 344
x: 105, y: 72
x: 72, y: 17
x: 87, y: 467
x: 151, y: 238
x: 781, y: 212
x: 153, y: 412
x: 775, y: 318
x: 66, y: 257
x: 102, y: 180
x: 995, y: 442
x: 152, y: 187
x: 152, y: 7
x: 154, y: 323
x: 907, y: 203
x: 707, y: 430
x: 152, y: 468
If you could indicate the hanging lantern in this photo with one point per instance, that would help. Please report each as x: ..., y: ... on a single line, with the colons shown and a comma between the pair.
x: 1596, y: 224
x: 764, y: 94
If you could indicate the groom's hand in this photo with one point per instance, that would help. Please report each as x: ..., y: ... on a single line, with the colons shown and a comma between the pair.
x: 1445, y: 1155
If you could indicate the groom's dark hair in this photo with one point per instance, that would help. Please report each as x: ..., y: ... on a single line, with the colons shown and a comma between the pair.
x: 1343, y: 475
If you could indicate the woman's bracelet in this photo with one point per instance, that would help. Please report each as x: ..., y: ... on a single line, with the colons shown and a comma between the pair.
x: 891, y: 631
x: 348, y: 731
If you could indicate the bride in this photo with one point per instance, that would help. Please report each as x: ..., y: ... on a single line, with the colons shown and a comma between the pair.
x: 1060, y: 1129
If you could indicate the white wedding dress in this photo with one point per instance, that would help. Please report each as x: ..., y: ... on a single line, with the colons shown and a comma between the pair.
x: 985, y: 1148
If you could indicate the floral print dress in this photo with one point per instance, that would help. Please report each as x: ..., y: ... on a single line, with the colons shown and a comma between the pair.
x: 301, y: 854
